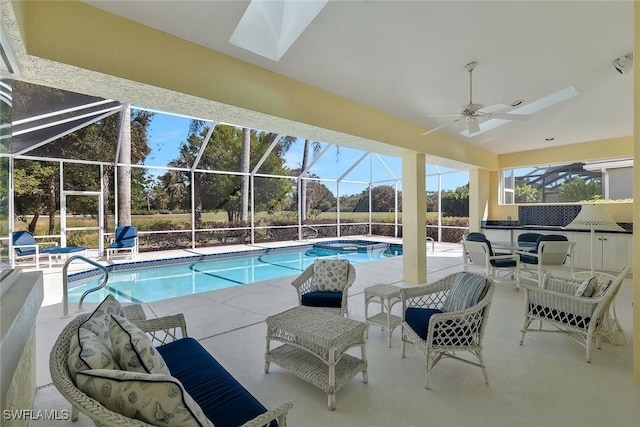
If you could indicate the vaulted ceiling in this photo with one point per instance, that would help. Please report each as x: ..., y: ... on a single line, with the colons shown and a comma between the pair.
x: 406, y: 59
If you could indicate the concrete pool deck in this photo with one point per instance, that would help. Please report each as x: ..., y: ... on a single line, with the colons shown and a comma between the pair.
x: 544, y: 382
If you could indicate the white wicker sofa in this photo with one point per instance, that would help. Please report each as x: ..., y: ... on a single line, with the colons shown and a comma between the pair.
x: 195, y: 389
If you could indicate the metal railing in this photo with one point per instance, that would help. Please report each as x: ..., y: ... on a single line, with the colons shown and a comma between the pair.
x: 315, y: 230
x: 65, y: 290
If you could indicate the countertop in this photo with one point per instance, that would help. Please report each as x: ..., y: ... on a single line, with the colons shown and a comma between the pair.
x: 548, y: 228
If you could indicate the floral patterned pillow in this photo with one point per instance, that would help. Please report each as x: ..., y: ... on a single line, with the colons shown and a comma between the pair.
x: 330, y: 275
x: 156, y: 399
x: 133, y: 349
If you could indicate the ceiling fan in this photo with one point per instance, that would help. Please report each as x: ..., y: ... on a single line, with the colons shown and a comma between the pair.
x: 473, y: 113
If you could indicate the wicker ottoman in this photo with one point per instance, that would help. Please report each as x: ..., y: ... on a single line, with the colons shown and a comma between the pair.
x: 315, y: 342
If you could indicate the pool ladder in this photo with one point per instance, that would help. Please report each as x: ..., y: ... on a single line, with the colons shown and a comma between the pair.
x: 65, y: 285
x: 315, y: 230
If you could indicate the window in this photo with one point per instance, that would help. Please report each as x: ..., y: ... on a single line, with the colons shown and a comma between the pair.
x: 568, y: 183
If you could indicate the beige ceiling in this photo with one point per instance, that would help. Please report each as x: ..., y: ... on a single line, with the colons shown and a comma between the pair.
x: 407, y: 58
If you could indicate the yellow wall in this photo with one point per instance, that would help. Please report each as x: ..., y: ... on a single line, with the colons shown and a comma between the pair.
x: 614, y: 148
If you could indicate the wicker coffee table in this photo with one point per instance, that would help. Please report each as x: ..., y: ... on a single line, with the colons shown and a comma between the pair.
x: 315, y: 342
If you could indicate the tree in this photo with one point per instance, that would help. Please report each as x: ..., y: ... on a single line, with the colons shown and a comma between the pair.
x: 96, y: 141
x: 456, y: 202
x: 33, y: 182
x: 526, y: 193
x: 319, y: 197
x: 224, y: 152
x: 577, y: 190
x: 123, y: 184
x: 244, y: 168
x: 382, y: 196
x: 178, y: 182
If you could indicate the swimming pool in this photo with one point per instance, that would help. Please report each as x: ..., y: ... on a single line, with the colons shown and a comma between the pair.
x: 162, y: 279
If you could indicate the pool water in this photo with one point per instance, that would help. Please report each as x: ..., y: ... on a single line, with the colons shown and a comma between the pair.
x: 180, y: 279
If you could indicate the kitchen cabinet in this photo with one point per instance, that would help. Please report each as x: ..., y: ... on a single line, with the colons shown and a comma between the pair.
x: 612, y: 251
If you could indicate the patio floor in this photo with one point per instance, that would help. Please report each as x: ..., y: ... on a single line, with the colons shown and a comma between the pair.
x: 545, y: 382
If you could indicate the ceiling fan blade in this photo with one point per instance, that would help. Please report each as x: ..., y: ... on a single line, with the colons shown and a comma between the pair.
x: 532, y: 107
x: 472, y: 125
x: 495, y: 108
x: 444, y: 115
x: 509, y: 116
x: 442, y: 126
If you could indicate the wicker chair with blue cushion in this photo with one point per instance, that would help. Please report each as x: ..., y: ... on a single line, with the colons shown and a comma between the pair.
x: 325, y: 284
x: 579, y: 308
x: 447, y: 317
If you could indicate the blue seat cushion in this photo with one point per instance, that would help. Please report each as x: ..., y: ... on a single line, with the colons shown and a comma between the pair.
x: 574, y: 320
x: 222, y: 398
x: 503, y: 263
x: 66, y: 250
x: 128, y: 243
x: 528, y: 259
x: 322, y: 299
x: 418, y: 319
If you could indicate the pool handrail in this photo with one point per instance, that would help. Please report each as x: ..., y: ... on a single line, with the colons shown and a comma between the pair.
x: 65, y: 290
x: 312, y: 229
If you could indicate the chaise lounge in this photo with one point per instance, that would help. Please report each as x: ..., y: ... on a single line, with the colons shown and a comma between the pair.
x: 25, y: 246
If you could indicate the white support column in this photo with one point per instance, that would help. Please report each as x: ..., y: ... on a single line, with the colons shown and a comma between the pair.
x: 439, y: 207
x: 63, y: 209
x: 193, y: 211
x: 478, y: 198
x: 12, y: 224
x: 414, y: 204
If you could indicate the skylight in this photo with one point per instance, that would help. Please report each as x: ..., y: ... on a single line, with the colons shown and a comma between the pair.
x: 269, y: 28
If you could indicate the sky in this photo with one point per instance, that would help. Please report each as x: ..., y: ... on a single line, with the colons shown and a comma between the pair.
x: 168, y: 131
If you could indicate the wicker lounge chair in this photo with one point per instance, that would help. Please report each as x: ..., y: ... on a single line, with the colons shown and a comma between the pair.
x: 441, y: 333
x: 584, y: 318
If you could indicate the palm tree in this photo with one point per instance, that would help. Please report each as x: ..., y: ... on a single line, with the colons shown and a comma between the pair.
x: 244, y: 168
x: 124, y: 172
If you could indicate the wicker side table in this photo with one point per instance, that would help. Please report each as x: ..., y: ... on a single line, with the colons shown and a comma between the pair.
x: 314, y: 347
x: 387, y: 296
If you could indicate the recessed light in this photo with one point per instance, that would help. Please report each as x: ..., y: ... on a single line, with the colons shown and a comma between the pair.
x: 549, y: 139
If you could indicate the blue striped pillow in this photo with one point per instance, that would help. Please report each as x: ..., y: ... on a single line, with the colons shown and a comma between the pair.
x: 465, y: 292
